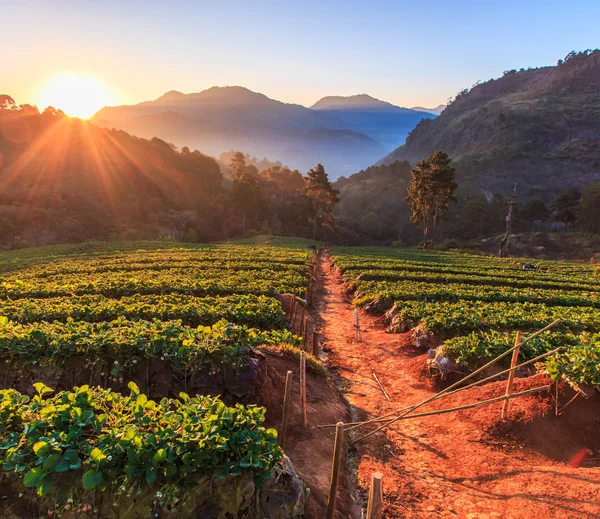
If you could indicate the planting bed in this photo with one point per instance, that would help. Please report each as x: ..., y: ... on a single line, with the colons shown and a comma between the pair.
x: 469, y: 306
x: 99, y: 350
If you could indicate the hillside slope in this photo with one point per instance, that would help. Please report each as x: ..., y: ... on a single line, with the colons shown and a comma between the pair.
x: 65, y: 179
x: 538, y: 127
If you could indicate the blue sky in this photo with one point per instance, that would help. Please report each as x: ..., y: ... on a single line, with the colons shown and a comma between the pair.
x: 409, y: 53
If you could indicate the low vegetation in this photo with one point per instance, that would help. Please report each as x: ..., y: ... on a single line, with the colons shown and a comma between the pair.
x: 477, y: 303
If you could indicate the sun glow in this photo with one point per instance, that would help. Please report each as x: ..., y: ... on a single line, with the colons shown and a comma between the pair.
x: 76, y: 95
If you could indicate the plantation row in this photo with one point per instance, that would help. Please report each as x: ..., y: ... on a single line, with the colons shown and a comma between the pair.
x: 178, y: 313
x: 88, y: 440
x: 354, y: 277
x: 578, y: 361
x: 464, y: 316
x: 350, y: 269
x: 453, y: 294
x: 183, y: 281
x: 133, y: 266
x: 390, y: 292
x: 120, y: 344
x: 347, y: 257
x: 256, y: 311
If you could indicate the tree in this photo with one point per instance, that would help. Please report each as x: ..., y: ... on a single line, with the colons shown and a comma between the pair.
x: 534, y: 210
x: 245, y: 192
x: 7, y: 102
x: 588, y: 210
x: 322, y: 197
x: 564, y: 206
x: 431, y: 191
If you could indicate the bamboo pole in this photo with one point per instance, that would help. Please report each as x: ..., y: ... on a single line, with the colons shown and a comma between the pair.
x: 451, y: 387
x: 375, y: 505
x: 335, y: 469
x: 475, y: 404
x: 385, y: 393
x: 302, y: 317
x: 286, y: 407
x: 386, y: 417
x: 303, y: 388
x: 293, y: 316
x: 511, y: 375
x: 305, y: 333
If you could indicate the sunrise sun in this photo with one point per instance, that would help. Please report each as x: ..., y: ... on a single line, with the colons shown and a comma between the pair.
x: 77, y: 95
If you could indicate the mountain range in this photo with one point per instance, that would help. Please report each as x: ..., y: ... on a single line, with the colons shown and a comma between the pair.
x: 538, y: 127
x: 344, y: 133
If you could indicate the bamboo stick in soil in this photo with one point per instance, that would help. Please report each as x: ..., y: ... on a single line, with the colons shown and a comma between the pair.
x: 511, y: 375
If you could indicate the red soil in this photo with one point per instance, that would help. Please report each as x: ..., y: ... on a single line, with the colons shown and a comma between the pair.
x: 467, y: 464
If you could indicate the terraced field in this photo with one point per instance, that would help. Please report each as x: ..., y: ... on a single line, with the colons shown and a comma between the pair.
x: 108, y: 316
x: 473, y: 305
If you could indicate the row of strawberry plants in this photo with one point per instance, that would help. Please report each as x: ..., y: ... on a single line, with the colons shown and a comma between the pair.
x: 133, y: 266
x: 466, y: 316
x: 379, y: 269
x: 82, y: 262
x: 252, y: 310
x: 390, y: 292
x: 75, y: 443
x: 355, y: 277
x: 388, y: 256
x: 120, y: 344
x: 192, y: 282
x: 577, y: 361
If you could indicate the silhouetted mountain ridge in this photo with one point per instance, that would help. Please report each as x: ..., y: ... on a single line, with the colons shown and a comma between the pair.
x: 223, y: 118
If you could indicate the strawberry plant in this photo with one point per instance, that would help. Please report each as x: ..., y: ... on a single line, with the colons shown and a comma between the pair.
x: 89, y: 439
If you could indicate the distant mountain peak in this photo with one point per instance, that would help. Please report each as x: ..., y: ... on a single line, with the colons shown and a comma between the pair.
x: 437, y: 110
x: 354, y: 102
x: 171, y: 95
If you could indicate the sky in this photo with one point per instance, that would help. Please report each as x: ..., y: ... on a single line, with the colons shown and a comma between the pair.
x: 405, y: 52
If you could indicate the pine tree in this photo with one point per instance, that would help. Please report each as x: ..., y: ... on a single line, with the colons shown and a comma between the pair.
x: 321, y: 196
x: 245, y: 191
x: 431, y: 191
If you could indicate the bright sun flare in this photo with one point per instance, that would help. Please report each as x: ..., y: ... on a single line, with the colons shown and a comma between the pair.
x: 76, y: 95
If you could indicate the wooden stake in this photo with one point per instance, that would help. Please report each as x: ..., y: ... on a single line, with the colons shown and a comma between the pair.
x: 303, y: 387
x: 293, y: 316
x: 305, y: 333
x: 335, y: 469
x: 315, y: 344
x: 511, y: 375
x: 375, y: 506
x: 302, y: 317
x: 385, y: 393
x: 286, y: 407
x: 357, y: 334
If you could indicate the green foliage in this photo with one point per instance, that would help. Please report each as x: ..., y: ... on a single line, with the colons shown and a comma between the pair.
x: 588, y: 210
x: 322, y: 197
x: 121, y: 344
x: 92, y: 439
x: 431, y: 190
x: 577, y: 361
x: 256, y: 311
x: 430, y: 290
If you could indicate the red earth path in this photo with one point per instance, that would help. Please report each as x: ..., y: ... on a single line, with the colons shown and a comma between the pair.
x: 466, y: 464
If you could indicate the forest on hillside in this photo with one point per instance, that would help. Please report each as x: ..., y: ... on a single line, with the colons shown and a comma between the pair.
x: 67, y: 180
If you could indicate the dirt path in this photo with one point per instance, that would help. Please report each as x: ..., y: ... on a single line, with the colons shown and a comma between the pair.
x: 453, y: 465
